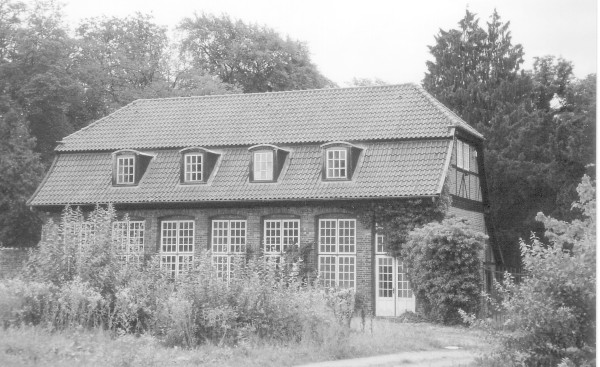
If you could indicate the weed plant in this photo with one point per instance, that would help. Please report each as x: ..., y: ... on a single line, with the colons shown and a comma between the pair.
x: 75, y: 278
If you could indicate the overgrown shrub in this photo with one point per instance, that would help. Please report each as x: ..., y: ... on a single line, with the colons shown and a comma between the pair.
x: 75, y: 279
x: 551, y: 314
x: 444, y: 266
x: 262, y: 298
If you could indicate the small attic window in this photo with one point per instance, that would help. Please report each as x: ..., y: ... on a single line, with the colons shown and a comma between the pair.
x: 193, y: 167
x: 129, y: 166
x: 266, y: 162
x: 339, y: 160
x: 337, y: 163
x: 263, y: 165
x: 126, y: 169
x: 196, y: 165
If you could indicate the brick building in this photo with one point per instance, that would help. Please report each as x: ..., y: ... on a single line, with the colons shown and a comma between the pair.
x: 272, y: 170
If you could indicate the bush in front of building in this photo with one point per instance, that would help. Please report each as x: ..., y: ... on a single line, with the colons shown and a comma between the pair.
x: 76, y: 278
x: 550, y: 316
x: 444, y: 266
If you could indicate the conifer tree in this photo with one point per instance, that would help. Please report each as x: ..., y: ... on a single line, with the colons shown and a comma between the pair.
x: 477, y: 73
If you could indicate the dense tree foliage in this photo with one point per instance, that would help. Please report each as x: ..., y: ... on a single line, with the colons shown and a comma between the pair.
x: 55, y: 80
x: 21, y: 171
x: 253, y: 57
x: 539, y: 124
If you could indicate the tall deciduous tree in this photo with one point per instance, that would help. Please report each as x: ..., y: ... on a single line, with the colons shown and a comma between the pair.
x: 124, y: 59
x: 35, y: 70
x: 477, y: 73
x: 253, y: 57
x: 21, y: 171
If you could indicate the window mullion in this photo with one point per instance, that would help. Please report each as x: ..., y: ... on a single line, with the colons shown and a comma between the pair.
x: 229, y: 252
x: 336, y: 269
x: 337, y: 236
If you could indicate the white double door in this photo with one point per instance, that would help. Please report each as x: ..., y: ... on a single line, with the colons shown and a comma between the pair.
x: 394, y: 296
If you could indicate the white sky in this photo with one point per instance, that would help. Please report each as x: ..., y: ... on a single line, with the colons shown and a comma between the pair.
x: 380, y: 38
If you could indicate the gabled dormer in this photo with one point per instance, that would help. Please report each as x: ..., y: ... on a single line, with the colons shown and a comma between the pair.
x: 196, y: 165
x: 339, y: 160
x: 129, y: 167
x: 266, y: 162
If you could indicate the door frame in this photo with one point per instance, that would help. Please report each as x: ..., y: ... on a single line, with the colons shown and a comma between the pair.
x: 399, y: 306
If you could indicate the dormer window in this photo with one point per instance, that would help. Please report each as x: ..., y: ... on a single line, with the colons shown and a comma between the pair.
x: 263, y: 165
x: 193, y: 167
x: 266, y: 162
x: 339, y: 160
x: 337, y: 163
x: 129, y: 166
x: 196, y: 165
x: 126, y: 170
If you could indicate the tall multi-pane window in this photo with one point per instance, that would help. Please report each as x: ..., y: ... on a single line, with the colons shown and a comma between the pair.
x: 128, y: 241
x: 463, y: 155
x: 126, y: 169
x: 337, y: 252
x: 263, y: 166
x: 193, y: 167
x: 379, y: 244
x: 228, y: 245
x: 280, y: 235
x: 337, y: 163
x: 177, y: 245
x: 87, y: 234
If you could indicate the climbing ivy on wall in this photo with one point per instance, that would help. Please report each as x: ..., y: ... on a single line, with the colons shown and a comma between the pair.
x: 397, y: 217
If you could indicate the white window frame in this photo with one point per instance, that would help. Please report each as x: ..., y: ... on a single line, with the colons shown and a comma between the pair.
x: 463, y: 155
x: 177, y: 244
x: 123, y: 162
x: 193, y: 171
x: 279, y: 235
x: 337, y: 252
x: 333, y: 172
x: 263, y: 163
x: 380, y: 244
x: 128, y: 241
x: 228, y: 245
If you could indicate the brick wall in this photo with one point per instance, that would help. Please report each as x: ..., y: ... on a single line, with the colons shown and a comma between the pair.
x: 475, y: 218
x: 254, y: 215
x: 12, y: 261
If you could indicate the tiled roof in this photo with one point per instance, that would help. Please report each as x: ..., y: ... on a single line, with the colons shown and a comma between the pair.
x: 350, y: 114
x: 385, y: 169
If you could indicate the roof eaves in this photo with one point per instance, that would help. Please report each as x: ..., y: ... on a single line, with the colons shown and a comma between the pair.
x: 28, y: 202
x: 293, y: 199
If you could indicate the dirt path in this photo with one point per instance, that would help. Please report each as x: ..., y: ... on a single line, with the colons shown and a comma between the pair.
x: 431, y: 358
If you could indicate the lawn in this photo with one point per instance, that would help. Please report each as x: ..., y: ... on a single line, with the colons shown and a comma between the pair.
x: 36, y: 347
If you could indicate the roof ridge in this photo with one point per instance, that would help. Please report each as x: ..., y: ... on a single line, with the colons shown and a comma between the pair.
x: 395, y: 111
x: 316, y: 90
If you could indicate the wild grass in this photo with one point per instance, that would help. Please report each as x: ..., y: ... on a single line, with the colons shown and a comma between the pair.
x: 34, y: 346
